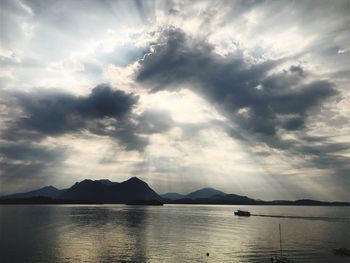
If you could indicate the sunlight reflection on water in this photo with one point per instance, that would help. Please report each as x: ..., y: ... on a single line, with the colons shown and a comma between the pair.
x: 173, y: 233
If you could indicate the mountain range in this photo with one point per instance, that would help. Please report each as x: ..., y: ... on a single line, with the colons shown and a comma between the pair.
x: 136, y: 191
x: 94, y: 191
x: 202, y: 193
x: 47, y: 191
x: 109, y: 192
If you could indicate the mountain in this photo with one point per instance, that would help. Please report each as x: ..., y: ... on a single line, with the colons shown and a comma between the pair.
x: 47, y: 191
x: 306, y: 202
x: 229, y: 199
x: 173, y: 196
x: 136, y: 192
x: 202, y: 193
x: 232, y: 199
x: 205, y: 193
x: 35, y: 200
x: 109, y: 192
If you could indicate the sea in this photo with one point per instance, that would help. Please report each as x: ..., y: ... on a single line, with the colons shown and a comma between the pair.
x: 171, y: 233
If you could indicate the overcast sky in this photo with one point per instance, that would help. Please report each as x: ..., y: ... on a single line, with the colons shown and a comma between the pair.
x: 249, y: 97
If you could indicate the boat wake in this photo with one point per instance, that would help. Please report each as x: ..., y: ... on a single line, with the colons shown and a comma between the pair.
x: 333, y: 219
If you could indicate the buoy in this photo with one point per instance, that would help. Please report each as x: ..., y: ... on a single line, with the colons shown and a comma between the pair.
x: 207, y: 254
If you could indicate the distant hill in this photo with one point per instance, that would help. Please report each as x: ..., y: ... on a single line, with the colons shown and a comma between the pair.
x: 137, y: 192
x: 173, y: 196
x: 205, y: 193
x: 306, y: 202
x: 108, y: 192
x: 202, y: 193
x: 47, y: 191
x: 42, y: 200
x: 232, y: 199
x: 219, y: 199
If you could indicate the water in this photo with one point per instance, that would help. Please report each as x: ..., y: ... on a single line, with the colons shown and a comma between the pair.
x: 172, y: 233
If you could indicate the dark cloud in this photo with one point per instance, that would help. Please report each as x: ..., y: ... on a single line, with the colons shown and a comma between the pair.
x: 260, y: 101
x: 103, y: 112
x: 105, y: 102
x: 15, y: 171
x: 297, y: 69
x: 294, y: 123
x: 247, y: 93
x: 42, y: 114
x: 29, y: 152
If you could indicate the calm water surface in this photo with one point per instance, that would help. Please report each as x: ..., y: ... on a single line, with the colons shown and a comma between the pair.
x: 172, y: 233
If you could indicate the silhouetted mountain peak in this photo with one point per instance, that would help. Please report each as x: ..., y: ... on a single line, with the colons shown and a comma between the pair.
x: 134, y: 179
x: 109, y: 192
x: 46, y: 191
x: 136, y: 191
x: 86, y: 181
x: 205, y: 193
x: 50, y: 187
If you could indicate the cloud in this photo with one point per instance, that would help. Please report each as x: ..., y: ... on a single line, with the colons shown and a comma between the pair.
x: 246, y: 93
x: 261, y: 101
x: 23, y: 163
x: 31, y: 134
x: 265, y: 73
x: 28, y: 152
x: 103, y: 112
x: 155, y: 121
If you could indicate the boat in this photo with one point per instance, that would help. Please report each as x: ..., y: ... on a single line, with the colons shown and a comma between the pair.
x: 242, y: 213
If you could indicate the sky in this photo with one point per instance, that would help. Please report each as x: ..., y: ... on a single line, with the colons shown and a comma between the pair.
x: 249, y: 97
